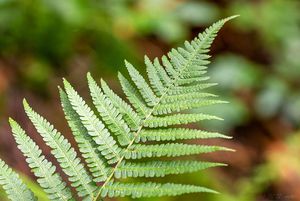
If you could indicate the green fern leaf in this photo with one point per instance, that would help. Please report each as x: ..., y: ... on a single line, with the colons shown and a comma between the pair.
x: 189, y: 89
x: 109, y: 113
x: 177, y: 119
x: 134, y: 97
x: 14, y: 187
x: 176, y: 134
x: 44, y: 170
x: 145, y: 90
x: 155, y: 80
x: 130, y: 116
x: 106, y: 144
x: 169, y: 68
x: 186, y: 97
x: 137, y: 190
x: 193, y: 74
x: 165, y: 79
x: 88, y: 148
x: 64, y: 153
x: 187, y: 81
x: 170, y: 150
x: 113, y: 143
x: 184, y: 105
x: 161, y: 168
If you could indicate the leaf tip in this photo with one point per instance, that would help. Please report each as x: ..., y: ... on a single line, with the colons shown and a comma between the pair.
x: 25, y: 104
x: 11, y: 121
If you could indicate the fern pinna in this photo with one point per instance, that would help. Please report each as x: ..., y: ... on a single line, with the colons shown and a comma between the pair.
x: 114, y: 138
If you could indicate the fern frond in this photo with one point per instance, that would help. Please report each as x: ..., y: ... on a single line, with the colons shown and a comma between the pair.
x: 161, y: 168
x: 14, y: 187
x: 176, y: 134
x: 170, y: 150
x: 112, y: 139
x: 64, y: 153
x: 44, y: 170
x: 179, y: 81
x: 88, y: 148
x: 137, y: 190
x: 109, y: 113
x: 106, y: 144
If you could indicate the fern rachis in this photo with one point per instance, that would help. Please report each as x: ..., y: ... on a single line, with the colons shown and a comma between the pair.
x: 113, y: 137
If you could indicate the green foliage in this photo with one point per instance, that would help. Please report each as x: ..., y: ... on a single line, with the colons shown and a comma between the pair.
x: 149, y: 189
x: 42, y: 168
x: 13, y: 185
x: 111, y: 143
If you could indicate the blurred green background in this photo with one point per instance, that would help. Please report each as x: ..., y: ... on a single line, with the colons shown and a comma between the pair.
x: 255, y: 61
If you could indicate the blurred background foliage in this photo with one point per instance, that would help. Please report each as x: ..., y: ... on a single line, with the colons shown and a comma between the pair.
x: 255, y: 61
